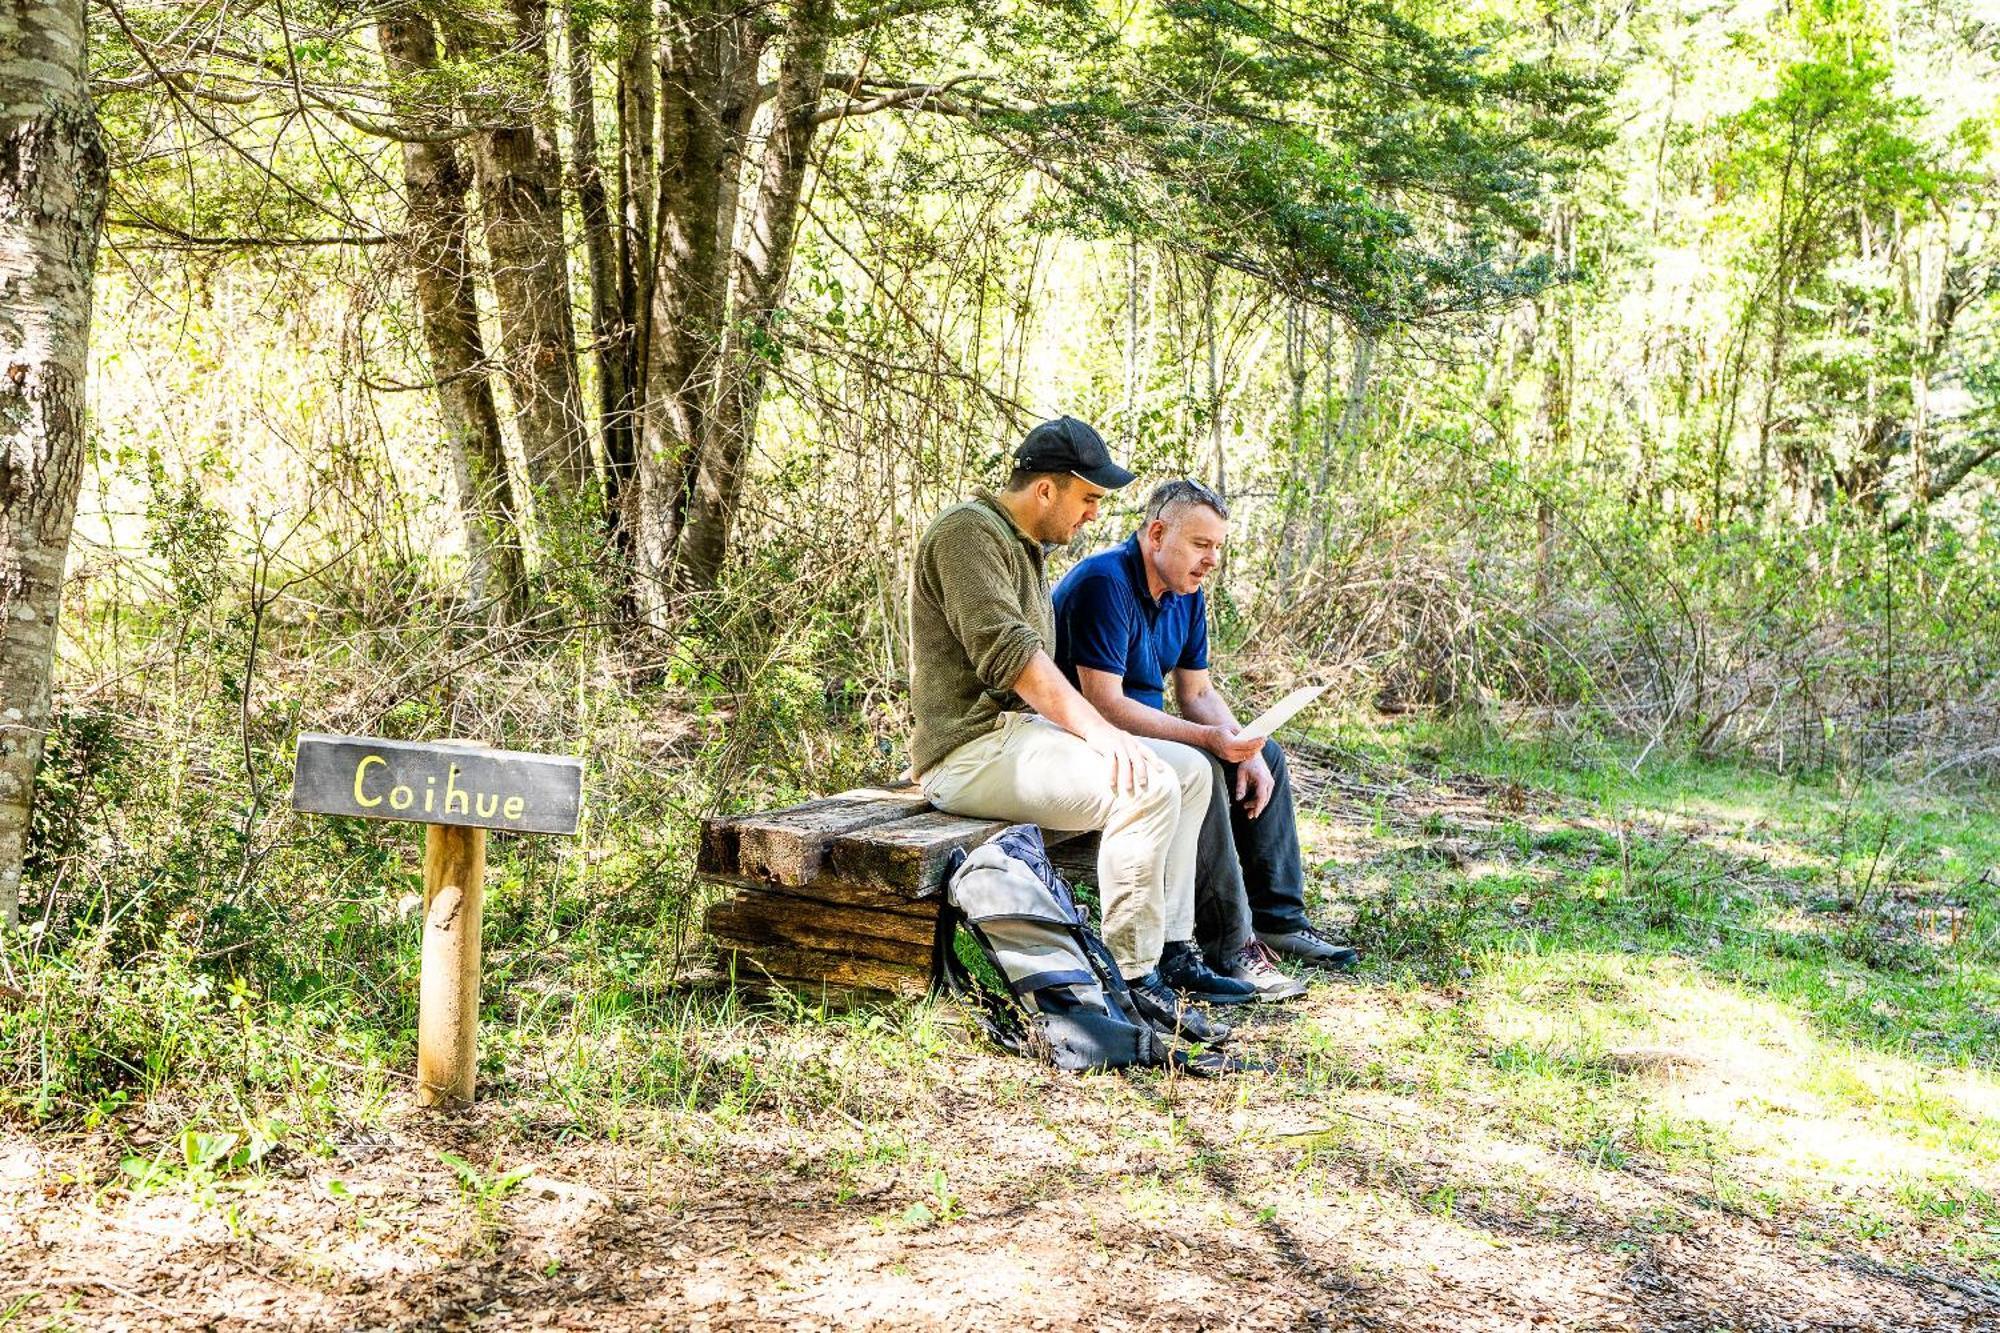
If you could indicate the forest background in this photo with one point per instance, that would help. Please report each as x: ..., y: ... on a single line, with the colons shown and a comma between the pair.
x: 579, y: 378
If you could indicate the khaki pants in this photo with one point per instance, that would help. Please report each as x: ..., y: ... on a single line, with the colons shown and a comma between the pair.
x: 1030, y: 771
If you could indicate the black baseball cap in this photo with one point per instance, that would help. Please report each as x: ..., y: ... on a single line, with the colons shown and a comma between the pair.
x: 1068, y: 445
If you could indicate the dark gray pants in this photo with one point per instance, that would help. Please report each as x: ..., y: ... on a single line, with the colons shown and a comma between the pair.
x: 1248, y: 873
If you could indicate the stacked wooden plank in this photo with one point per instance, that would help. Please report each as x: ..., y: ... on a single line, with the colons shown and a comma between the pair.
x: 829, y: 896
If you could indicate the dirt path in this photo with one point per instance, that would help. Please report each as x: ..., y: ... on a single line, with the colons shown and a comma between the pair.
x: 1200, y: 1224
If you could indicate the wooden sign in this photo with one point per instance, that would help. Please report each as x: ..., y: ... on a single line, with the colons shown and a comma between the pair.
x: 437, y: 782
x: 459, y: 789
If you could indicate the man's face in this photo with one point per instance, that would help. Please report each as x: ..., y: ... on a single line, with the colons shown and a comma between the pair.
x: 1185, y: 547
x: 1070, y: 507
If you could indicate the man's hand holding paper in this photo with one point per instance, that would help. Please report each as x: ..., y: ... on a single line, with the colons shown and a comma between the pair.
x: 1283, y: 711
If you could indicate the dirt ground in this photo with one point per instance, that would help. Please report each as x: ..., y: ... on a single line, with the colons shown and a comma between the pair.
x: 605, y: 1237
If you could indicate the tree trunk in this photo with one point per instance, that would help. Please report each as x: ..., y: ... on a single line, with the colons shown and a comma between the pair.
x: 762, y: 267
x: 1130, y: 422
x: 1355, y: 413
x: 611, y: 331
x: 519, y: 177
x: 1545, y: 552
x: 638, y: 169
x: 441, y: 267
x: 708, y: 92
x: 1214, y: 380
x: 52, y: 185
x: 1781, y: 310
x: 1552, y: 335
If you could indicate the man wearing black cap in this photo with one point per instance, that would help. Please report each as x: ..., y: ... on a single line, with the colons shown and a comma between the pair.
x: 1000, y: 734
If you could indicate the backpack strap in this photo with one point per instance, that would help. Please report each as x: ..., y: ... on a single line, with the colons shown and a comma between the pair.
x: 997, y: 1017
x: 948, y: 975
x: 1116, y: 992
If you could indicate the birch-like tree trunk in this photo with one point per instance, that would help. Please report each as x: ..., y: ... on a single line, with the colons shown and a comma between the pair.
x: 52, y: 184
x: 1354, y: 415
x: 762, y: 269
x: 434, y: 180
x: 520, y: 193
x: 611, y: 331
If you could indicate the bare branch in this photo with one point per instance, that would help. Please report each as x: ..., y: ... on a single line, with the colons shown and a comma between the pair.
x: 1983, y: 448
x: 181, y: 77
x: 916, y: 95
x: 181, y: 239
x: 890, y: 9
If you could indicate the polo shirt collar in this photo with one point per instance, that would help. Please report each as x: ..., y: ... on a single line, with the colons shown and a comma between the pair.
x: 1135, y: 570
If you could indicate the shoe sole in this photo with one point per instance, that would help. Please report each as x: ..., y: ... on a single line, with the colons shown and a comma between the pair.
x: 1176, y: 1032
x: 1331, y: 964
x: 1225, y: 1000
x: 1288, y: 990
x: 1336, y: 963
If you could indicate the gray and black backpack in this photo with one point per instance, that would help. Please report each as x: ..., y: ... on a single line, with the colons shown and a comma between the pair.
x: 1066, y: 1001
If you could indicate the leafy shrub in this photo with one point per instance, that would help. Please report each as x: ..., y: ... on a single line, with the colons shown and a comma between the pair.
x: 83, y: 775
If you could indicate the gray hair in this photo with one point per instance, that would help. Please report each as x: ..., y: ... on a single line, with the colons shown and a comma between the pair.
x: 1170, y: 498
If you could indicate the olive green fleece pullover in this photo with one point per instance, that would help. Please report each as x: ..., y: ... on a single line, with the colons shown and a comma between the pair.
x: 979, y: 611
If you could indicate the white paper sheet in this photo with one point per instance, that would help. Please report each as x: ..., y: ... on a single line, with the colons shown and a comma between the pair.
x: 1283, y: 711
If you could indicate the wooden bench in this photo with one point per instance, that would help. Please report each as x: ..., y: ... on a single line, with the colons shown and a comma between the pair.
x: 828, y: 896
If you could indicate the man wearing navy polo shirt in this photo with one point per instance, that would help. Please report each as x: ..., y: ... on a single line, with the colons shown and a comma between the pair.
x: 1125, y: 620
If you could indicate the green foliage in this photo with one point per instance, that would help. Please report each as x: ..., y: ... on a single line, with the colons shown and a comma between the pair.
x: 1390, y: 186
x: 203, y: 1158
x: 189, y: 536
x: 92, y: 1034
x: 85, y: 773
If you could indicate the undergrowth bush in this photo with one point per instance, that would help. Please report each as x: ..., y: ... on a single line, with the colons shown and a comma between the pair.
x: 90, y: 1034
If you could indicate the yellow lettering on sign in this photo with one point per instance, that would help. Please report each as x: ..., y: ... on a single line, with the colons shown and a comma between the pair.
x: 464, y: 801
x: 360, y: 769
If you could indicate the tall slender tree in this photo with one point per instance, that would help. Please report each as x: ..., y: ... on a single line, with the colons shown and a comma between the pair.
x: 435, y: 184
x: 709, y: 54
x: 519, y: 174
x: 762, y: 264
x: 52, y: 192
x: 611, y: 329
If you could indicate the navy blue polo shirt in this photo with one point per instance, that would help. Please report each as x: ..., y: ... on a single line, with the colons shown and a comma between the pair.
x: 1106, y: 620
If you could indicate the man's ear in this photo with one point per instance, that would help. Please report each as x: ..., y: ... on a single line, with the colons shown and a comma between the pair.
x: 1156, y: 531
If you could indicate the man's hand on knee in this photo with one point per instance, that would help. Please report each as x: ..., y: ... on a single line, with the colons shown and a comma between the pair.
x: 1254, y: 785
x: 1131, y: 761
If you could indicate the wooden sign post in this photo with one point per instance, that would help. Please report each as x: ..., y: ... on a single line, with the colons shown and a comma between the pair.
x: 459, y: 789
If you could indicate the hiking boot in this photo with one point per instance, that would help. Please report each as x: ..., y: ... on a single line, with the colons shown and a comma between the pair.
x: 1183, y: 968
x: 1169, y: 1012
x: 1256, y: 964
x: 1308, y: 945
